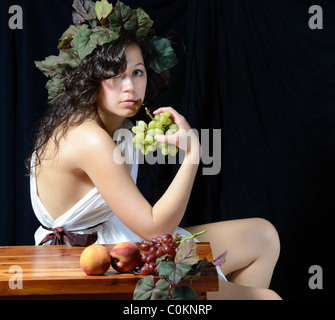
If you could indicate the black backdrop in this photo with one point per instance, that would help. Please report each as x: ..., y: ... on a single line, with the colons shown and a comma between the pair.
x: 253, y: 69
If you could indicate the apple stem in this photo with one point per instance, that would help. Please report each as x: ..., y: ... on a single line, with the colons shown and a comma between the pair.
x: 149, y: 114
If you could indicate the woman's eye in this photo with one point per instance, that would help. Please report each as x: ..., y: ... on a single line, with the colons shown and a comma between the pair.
x: 137, y: 73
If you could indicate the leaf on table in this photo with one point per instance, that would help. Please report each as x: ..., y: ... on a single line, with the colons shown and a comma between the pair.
x: 174, y: 271
x: 220, y: 260
x: 195, y: 272
x: 184, y: 293
x: 146, y: 289
x: 161, y: 290
x: 187, y: 253
x: 161, y: 259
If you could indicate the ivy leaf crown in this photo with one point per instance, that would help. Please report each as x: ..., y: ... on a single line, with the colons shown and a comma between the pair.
x: 94, y: 25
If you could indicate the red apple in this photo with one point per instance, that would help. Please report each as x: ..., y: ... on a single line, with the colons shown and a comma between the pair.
x: 125, y: 257
x: 95, y: 260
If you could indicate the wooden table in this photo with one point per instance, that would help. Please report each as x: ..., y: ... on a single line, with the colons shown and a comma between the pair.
x: 53, y: 272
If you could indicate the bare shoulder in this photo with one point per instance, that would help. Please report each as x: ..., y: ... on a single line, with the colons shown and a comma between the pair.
x: 87, y: 141
x: 89, y: 133
x: 87, y: 136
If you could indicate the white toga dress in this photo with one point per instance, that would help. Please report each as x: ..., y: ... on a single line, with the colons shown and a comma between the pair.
x: 91, y: 213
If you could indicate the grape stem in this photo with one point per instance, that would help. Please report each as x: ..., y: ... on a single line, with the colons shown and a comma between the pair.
x: 192, y: 237
x: 149, y: 114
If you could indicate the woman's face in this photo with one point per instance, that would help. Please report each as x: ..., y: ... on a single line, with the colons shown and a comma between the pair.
x: 123, y: 95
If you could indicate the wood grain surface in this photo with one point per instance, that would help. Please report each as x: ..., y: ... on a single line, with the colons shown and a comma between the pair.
x: 53, y: 272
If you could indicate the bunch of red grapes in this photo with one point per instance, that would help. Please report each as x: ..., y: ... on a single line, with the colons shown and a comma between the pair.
x: 166, y: 244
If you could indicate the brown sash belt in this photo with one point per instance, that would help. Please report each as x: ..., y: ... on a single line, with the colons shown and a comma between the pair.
x: 60, y: 235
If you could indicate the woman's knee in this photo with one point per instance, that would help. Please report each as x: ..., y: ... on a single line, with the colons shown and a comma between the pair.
x: 268, y: 236
x: 272, y: 295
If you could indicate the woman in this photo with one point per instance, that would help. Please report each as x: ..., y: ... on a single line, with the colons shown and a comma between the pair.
x: 79, y: 187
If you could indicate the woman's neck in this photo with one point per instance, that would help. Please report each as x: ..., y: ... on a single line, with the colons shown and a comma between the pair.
x: 110, y: 123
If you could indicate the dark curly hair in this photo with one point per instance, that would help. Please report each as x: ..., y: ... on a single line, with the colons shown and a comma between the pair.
x: 79, y: 100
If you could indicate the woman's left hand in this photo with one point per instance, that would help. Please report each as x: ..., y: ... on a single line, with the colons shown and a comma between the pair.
x: 185, y: 138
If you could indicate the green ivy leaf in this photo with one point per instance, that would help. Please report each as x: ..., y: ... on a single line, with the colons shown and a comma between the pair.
x: 114, y: 23
x: 82, y: 38
x: 55, y: 87
x: 84, y: 11
x: 50, y: 66
x: 146, y: 289
x: 131, y: 24
x: 71, y: 31
x: 184, y: 293
x: 101, y: 35
x: 123, y: 17
x: 65, y: 43
x: 144, y: 22
x: 163, y: 56
x: 69, y: 57
x: 174, y: 271
x: 187, y: 253
x: 126, y: 15
x: 82, y: 43
x: 103, y: 9
x: 54, y: 66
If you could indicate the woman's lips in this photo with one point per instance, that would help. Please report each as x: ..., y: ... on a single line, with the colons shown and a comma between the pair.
x: 129, y: 103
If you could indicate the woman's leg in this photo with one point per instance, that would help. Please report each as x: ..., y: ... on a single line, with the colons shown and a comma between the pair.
x: 233, y: 291
x: 253, y: 249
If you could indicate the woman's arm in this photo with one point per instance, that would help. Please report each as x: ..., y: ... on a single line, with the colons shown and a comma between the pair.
x: 176, y: 197
x: 95, y: 152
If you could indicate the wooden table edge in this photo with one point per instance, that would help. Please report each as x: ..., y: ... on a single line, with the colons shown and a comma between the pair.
x: 110, y: 286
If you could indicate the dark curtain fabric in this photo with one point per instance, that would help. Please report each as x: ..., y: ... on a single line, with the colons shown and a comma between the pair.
x: 254, y: 70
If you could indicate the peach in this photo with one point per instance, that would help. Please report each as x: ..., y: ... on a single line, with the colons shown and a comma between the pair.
x: 125, y: 257
x: 95, y: 260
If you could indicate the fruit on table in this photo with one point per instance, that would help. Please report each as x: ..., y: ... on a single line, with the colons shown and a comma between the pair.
x: 125, y: 257
x: 95, y: 260
x: 165, y: 245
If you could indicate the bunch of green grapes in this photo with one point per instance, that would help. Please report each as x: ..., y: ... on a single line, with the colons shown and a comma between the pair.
x: 161, y: 124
